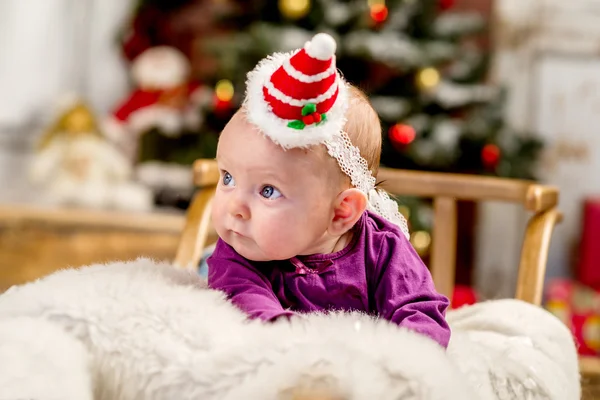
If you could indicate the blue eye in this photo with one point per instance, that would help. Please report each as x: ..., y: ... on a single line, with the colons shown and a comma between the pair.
x: 228, y: 179
x: 269, y: 192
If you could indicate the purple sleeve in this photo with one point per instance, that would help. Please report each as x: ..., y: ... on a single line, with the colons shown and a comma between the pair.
x: 244, y: 284
x: 405, y: 293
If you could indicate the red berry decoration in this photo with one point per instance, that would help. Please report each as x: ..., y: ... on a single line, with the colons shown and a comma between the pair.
x: 309, y: 116
x: 308, y: 119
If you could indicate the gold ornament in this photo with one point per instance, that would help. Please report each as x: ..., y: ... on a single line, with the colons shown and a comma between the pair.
x: 77, y: 119
x: 428, y: 78
x: 421, y: 241
x: 224, y: 90
x: 294, y: 9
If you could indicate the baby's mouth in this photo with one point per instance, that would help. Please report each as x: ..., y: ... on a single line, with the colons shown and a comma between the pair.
x: 237, y: 234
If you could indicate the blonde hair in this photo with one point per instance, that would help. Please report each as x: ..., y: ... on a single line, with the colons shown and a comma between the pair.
x: 364, y: 128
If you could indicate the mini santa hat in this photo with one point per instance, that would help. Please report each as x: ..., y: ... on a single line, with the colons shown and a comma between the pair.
x: 298, y: 99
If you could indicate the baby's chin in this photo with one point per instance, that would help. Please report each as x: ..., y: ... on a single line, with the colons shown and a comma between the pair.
x: 255, y: 253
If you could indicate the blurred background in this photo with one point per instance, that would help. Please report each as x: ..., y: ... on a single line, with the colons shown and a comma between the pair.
x: 105, y: 104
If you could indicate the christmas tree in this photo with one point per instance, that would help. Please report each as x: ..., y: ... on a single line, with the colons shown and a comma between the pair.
x: 420, y: 63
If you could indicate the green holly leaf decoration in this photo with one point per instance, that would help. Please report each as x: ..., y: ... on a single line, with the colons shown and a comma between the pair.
x: 297, y: 124
x: 309, y: 109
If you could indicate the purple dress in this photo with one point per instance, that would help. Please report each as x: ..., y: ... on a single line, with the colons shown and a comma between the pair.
x: 379, y: 273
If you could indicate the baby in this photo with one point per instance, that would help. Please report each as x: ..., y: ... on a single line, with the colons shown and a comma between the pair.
x: 302, y: 227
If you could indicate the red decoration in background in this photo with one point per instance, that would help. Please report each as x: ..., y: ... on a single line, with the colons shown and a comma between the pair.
x: 222, y: 106
x: 379, y: 12
x: 490, y: 156
x: 174, y: 23
x: 588, y: 270
x: 578, y: 307
x: 446, y: 4
x: 149, y: 28
x: 463, y: 296
x: 402, y: 134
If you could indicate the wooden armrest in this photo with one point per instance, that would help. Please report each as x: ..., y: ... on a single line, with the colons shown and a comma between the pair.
x: 541, y: 198
x: 195, y: 232
x: 206, y: 173
x: 534, y: 197
x: 534, y: 255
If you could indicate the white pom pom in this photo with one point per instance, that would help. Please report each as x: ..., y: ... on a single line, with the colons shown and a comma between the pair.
x: 322, y: 47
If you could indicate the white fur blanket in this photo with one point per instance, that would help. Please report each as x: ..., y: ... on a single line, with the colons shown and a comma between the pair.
x: 142, y: 330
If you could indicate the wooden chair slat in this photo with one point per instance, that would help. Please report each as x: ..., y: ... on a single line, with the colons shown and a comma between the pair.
x: 443, y: 251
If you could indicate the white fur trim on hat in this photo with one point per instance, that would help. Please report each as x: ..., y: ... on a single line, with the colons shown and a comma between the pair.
x: 259, y: 113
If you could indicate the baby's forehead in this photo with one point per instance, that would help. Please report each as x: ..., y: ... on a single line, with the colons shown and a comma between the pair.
x: 298, y: 161
x: 310, y: 167
x: 249, y: 146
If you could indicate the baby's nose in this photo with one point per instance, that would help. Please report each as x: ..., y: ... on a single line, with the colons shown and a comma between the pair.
x: 238, y: 208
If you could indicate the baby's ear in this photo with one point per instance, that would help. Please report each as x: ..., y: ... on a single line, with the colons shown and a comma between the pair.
x: 348, y: 208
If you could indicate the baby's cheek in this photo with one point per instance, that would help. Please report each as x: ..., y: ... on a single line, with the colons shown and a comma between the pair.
x: 279, y: 238
x: 217, y: 213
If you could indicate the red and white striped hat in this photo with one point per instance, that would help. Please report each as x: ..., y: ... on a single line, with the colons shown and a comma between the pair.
x: 298, y: 99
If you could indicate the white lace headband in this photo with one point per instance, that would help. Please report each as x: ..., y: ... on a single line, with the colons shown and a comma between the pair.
x: 298, y: 99
x: 355, y: 166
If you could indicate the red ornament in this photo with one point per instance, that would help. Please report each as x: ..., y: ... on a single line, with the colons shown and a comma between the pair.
x: 402, y: 134
x: 446, y: 4
x: 221, y: 106
x: 379, y: 13
x: 490, y: 155
x: 463, y: 296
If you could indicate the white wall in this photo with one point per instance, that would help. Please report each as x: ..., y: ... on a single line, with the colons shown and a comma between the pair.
x: 50, y: 47
x: 568, y: 117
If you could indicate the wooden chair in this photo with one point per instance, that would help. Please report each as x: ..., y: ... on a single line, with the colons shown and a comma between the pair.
x: 445, y: 190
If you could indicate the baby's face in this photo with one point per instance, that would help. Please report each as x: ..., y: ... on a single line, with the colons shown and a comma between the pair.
x: 271, y: 204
